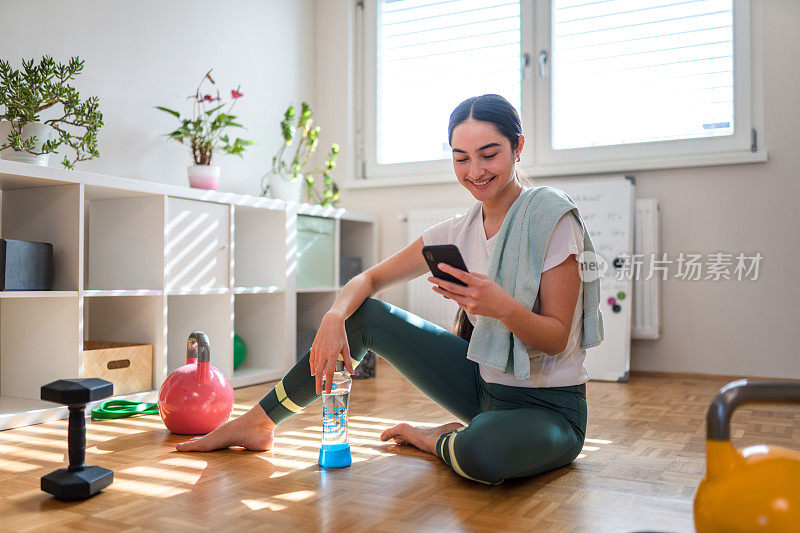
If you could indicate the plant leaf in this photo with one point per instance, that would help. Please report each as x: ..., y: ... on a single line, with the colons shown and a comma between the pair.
x: 170, y: 111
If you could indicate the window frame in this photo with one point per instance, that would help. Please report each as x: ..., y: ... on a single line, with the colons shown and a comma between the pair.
x: 538, y: 159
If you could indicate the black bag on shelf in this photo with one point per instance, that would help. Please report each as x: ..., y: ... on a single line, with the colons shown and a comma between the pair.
x: 25, y: 265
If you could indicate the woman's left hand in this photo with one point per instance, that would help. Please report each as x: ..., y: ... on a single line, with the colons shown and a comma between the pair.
x: 481, y: 296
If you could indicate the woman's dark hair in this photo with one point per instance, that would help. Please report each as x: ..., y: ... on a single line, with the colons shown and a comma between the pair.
x: 499, y: 111
x: 488, y: 108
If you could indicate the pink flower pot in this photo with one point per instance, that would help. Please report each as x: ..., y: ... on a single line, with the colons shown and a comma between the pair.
x: 203, y: 176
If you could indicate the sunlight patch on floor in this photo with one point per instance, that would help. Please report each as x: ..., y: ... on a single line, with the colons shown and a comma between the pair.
x: 9, y: 465
x: 95, y: 427
x: 142, y: 422
x: 390, y: 422
x: 26, y: 439
x: 296, y: 496
x: 94, y: 450
x: 144, y: 488
x: 317, y: 438
x: 305, y: 443
x: 186, y: 462
x: 350, y: 430
x: 263, y: 503
x: 39, y: 455
x: 163, y: 474
x: 314, y: 455
x: 59, y: 433
x: 282, y: 462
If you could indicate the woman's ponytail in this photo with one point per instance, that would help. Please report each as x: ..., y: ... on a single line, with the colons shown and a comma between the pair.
x: 524, y: 179
x: 462, y: 327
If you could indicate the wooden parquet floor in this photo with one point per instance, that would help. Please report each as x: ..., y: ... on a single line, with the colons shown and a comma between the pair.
x: 643, y: 459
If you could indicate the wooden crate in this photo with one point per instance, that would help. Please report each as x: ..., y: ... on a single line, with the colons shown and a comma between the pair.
x: 128, y: 366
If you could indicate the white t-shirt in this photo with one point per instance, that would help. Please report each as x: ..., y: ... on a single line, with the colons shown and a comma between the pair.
x: 467, y: 232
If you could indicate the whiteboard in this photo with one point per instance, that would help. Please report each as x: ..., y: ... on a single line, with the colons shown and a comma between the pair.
x: 607, y: 208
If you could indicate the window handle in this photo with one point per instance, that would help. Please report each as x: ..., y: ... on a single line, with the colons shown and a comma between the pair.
x: 542, y: 63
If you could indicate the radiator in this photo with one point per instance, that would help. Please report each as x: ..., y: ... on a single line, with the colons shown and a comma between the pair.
x: 646, y: 293
x: 422, y: 301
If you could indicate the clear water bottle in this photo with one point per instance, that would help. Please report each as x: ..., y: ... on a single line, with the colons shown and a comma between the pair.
x: 335, y: 449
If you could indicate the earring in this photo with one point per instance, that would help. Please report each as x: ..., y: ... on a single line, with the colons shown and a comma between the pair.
x: 517, y: 157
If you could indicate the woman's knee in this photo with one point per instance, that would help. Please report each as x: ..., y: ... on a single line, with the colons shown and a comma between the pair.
x: 473, y: 457
x: 494, y: 448
x: 369, y: 309
x: 478, y: 451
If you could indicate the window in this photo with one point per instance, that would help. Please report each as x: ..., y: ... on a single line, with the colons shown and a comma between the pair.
x: 628, y: 72
x: 429, y: 56
x: 601, y: 86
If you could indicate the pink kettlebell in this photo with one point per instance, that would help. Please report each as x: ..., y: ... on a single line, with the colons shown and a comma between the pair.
x: 197, y: 398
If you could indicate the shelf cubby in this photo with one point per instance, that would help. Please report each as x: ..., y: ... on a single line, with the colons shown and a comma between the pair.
x: 209, y: 313
x: 197, y: 245
x: 356, y: 239
x: 48, y: 214
x: 316, y: 257
x: 129, y: 319
x: 311, y: 306
x: 39, y: 343
x: 260, y: 237
x: 260, y: 320
x: 125, y: 242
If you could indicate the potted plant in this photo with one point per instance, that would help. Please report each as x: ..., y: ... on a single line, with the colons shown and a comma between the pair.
x: 205, y: 133
x: 24, y: 136
x: 287, y: 180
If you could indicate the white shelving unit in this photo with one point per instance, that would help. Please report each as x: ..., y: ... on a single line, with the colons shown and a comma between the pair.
x: 144, y: 262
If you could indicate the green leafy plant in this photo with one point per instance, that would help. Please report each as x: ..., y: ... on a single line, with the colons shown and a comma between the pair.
x: 306, y: 144
x: 205, y: 133
x: 24, y: 95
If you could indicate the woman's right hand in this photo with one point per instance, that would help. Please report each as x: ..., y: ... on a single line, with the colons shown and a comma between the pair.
x: 330, y: 341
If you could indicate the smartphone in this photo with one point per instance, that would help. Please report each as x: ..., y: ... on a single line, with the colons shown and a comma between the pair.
x: 444, y: 253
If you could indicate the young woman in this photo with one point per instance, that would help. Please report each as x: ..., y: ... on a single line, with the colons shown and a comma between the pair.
x: 515, y: 427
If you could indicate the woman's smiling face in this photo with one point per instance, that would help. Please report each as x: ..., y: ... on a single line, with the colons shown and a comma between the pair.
x: 482, y: 158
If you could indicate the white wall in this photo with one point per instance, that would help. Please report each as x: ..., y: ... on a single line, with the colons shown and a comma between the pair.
x: 146, y: 53
x: 141, y: 54
x: 728, y: 327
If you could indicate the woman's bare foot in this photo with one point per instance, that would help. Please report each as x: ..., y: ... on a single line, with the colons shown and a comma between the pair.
x: 423, y: 438
x: 253, y: 430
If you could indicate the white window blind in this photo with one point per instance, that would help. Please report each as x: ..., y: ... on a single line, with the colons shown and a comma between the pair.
x: 431, y: 55
x: 634, y: 71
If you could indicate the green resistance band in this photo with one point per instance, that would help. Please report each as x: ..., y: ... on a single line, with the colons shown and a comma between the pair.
x: 113, y: 409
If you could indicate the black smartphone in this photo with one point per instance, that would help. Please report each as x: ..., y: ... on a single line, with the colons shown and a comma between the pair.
x: 444, y: 253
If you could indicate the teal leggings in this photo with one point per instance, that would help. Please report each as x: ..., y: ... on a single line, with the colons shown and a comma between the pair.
x: 511, y: 432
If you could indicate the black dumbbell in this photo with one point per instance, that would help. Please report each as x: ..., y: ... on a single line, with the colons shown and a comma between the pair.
x: 78, y: 481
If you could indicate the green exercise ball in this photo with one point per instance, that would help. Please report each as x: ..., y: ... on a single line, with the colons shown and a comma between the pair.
x: 239, y: 351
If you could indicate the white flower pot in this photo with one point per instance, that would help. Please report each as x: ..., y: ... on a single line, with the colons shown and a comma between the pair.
x: 203, y: 176
x: 42, y: 133
x: 284, y: 189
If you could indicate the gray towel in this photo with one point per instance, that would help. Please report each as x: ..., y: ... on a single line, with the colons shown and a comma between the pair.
x: 516, y: 265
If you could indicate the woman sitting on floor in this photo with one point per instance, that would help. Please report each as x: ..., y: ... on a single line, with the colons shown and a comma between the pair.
x: 513, y: 370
